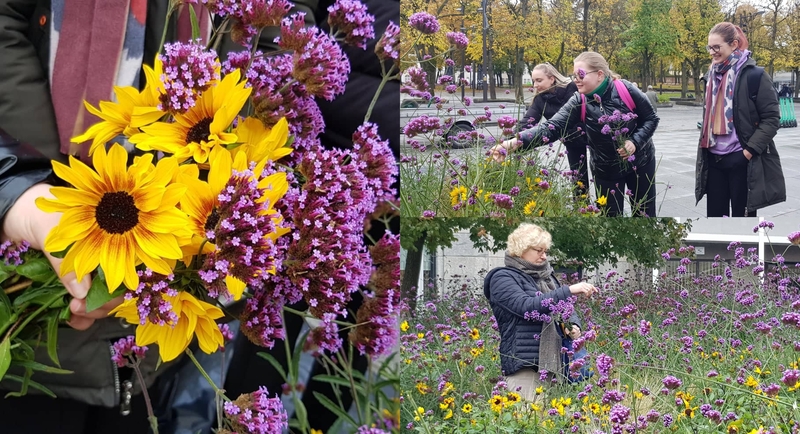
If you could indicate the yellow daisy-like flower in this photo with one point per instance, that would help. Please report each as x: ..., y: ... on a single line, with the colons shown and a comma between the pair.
x: 497, y: 403
x: 602, y: 201
x: 449, y: 414
x: 458, y: 194
x: 475, y: 334
x: 117, y: 216
x: 404, y: 326
x: 529, y: 207
x: 134, y: 109
x: 195, y: 317
x: 197, y: 132
x: 466, y: 408
x: 260, y: 143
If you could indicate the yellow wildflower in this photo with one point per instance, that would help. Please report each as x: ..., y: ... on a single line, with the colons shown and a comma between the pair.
x: 404, y: 326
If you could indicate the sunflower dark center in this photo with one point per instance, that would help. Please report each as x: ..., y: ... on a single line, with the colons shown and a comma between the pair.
x: 212, y: 220
x: 117, y: 213
x: 199, y: 131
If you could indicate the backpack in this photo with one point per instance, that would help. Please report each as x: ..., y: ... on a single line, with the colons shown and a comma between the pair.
x: 623, y: 93
x: 754, y: 84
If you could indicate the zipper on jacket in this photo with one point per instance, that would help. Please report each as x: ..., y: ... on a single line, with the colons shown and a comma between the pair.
x: 115, y: 369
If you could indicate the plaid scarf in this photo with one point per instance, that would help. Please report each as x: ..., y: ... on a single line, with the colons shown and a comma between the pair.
x: 718, y: 120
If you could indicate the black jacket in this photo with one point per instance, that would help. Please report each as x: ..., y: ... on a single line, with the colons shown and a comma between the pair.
x: 512, y: 293
x: 756, y: 124
x: 547, y: 105
x: 605, y: 160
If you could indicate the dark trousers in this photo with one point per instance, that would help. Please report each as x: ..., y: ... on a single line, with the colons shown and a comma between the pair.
x: 642, y: 185
x: 726, y: 186
x: 576, y: 155
x: 42, y: 414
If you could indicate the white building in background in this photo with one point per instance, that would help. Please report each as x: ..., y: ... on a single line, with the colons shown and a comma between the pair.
x: 449, y: 267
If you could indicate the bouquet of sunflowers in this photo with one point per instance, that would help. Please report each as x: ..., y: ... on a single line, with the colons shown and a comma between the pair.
x: 224, y: 195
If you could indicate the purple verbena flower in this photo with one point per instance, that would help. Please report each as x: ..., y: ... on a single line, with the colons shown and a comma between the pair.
x: 351, y: 18
x: 189, y: 70
x: 424, y: 22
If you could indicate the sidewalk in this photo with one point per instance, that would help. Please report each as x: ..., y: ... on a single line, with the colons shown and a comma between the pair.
x: 676, y: 151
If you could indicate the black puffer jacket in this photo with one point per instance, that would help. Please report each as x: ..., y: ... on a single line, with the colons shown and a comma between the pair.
x: 512, y: 293
x: 605, y: 160
x: 756, y: 124
x: 546, y: 105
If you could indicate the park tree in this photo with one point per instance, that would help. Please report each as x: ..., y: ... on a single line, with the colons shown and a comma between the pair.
x: 692, y: 20
x: 793, y: 43
x: 652, y: 34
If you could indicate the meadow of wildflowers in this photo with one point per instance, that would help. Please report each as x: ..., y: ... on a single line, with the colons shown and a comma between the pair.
x: 717, y: 352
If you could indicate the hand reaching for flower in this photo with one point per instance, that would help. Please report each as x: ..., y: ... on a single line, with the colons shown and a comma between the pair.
x: 500, y: 151
x: 627, y: 150
x: 25, y: 221
x: 583, y: 289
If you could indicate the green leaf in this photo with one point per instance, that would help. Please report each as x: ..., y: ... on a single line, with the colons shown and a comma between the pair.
x: 333, y: 380
x: 36, y: 366
x: 298, y: 348
x: 38, y: 296
x: 25, y: 383
x: 98, y: 293
x: 4, y: 274
x: 5, y: 310
x: 327, y: 403
x: 195, y: 23
x: 301, y: 413
x: 38, y: 269
x: 275, y: 364
x: 52, y: 337
x: 5, y: 357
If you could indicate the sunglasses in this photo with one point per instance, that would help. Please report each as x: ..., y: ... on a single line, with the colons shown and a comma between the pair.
x: 576, y: 77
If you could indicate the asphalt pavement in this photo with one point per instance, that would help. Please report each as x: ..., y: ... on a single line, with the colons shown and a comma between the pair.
x: 676, y: 148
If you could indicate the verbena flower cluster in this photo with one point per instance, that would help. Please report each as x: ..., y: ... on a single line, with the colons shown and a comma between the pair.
x: 351, y: 18
x: 150, y: 301
x: 10, y: 252
x: 125, y: 352
x: 256, y: 413
x: 189, y: 70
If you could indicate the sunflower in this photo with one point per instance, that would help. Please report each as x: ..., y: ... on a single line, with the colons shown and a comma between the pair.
x: 134, y: 109
x: 117, y: 217
x: 203, y: 127
x: 195, y: 317
x: 261, y: 143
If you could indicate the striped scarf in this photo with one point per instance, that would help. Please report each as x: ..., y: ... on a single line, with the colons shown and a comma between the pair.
x: 718, y: 120
x: 105, y: 49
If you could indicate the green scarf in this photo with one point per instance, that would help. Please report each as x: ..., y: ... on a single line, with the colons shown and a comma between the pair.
x: 600, y: 90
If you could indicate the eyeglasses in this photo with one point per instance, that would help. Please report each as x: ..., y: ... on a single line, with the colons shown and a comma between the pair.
x: 713, y: 49
x: 541, y: 251
x: 575, y: 77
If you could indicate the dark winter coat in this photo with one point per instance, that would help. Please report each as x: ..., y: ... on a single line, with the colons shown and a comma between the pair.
x: 605, y: 161
x: 756, y: 123
x: 546, y: 105
x: 26, y: 113
x: 512, y: 293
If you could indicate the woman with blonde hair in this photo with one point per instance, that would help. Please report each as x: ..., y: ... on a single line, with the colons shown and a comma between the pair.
x: 738, y: 166
x: 618, y: 171
x: 551, y: 91
x: 517, y: 294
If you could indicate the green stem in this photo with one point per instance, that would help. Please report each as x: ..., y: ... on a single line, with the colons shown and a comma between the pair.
x: 41, y: 309
x: 217, y: 391
x: 384, y: 80
x: 170, y: 10
x: 150, y: 416
x: 353, y: 390
x: 346, y: 325
x: 292, y: 377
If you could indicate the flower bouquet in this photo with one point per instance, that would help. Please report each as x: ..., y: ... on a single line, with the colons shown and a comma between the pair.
x: 229, y: 197
x: 616, y: 126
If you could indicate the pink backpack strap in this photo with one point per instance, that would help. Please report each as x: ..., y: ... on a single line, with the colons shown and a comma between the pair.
x: 623, y: 92
x: 583, y: 108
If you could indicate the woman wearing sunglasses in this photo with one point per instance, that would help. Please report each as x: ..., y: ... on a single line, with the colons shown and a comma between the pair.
x: 619, y: 170
x: 519, y: 294
x: 551, y: 91
x: 738, y: 167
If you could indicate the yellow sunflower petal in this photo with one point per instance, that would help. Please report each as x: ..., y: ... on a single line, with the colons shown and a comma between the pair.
x: 72, y: 197
x: 148, y: 333
x: 117, y: 259
x: 174, y: 341
x: 79, y: 175
x: 127, y: 310
x: 76, y: 222
x: 235, y: 286
x: 209, y: 337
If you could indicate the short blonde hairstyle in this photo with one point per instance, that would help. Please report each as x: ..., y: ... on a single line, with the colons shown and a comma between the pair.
x: 596, y: 62
x: 527, y: 236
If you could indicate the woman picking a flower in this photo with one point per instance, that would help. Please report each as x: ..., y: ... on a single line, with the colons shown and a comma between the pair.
x: 619, y: 122
x: 527, y: 299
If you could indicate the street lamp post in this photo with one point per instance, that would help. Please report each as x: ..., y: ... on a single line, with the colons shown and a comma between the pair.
x: 463, y: 53
x: 485, y: 70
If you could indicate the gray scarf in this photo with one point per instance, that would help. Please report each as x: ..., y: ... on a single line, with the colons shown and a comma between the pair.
x: 549, y: 340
